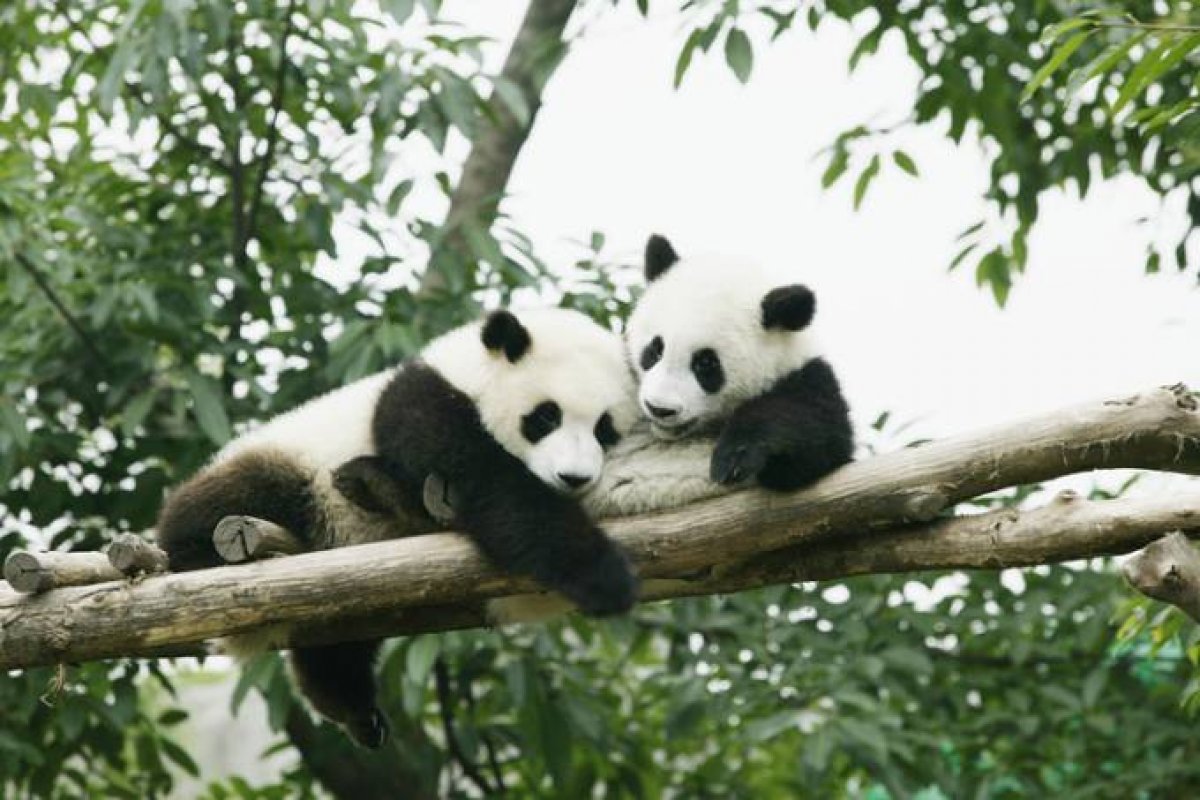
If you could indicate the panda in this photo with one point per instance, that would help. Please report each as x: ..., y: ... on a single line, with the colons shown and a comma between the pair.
x: 725, y: 350
x: 515, y: 412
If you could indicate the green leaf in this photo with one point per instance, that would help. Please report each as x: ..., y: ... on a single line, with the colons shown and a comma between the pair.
x: 422, y: 653
x: 1060, y: 56
x: 739, y: 54
x: 400, y: 10
x: 904, y: 161
x: 760, y: 730
x: 180, y: 757
x: 14, y: 422
x: 208, y: 407
x: 1103, y: 62
x: 864, y: 180
x: 136, y: 410
x: 1066, y: 26
x: 513, y: 98
x: 837, y: 167
x: 685, y: 56
x: 1141, y: 76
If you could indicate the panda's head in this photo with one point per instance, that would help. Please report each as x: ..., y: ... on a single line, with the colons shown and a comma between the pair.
x: 709, y: 334
x: 551, y: 386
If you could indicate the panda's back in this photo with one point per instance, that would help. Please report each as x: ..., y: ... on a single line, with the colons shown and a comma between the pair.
x: 324, y: 432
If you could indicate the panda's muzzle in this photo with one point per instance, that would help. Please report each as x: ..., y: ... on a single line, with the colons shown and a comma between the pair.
x: 574, y: 482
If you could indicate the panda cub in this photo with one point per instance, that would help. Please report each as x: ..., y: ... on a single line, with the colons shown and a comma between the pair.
x: 515, y: 412
x: 725, y: 349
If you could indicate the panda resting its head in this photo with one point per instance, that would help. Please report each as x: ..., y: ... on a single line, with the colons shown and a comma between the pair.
x: 709, y: 334
x: 551, y: 386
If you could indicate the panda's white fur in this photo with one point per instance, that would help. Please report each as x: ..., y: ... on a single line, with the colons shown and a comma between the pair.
x: 711, y: 301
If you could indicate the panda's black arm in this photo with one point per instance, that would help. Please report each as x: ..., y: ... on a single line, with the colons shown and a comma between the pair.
x: 425, y: 425
x: 793, y: 434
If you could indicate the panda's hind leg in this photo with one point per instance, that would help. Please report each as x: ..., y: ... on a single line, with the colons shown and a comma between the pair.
x: 339, y: 682
x: 257, y: 483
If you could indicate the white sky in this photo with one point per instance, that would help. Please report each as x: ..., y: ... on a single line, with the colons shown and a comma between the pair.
x: 718, y: 166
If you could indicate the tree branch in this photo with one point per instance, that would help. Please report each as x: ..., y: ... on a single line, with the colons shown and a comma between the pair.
x: 46, y: 289
x: 278, y: 95
x: 438, y: 581
x: 531, y: 61
x: 348, y: 772
x: 441, y: 677
x: 1168, y: 571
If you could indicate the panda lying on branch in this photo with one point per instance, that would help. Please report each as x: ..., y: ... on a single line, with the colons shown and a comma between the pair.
x: 516, y: 413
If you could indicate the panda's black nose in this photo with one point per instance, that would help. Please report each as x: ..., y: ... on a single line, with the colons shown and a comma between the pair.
x: 658, y: 412
x: 574, y: 481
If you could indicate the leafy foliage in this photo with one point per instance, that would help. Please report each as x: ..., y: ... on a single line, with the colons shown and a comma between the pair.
x: 175, y: 177
x: 1058, y: 100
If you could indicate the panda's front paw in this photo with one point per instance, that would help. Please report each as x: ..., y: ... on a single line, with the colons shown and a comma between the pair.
x: 360, y: 481
x: 738, y: 458
x: 606, y: 587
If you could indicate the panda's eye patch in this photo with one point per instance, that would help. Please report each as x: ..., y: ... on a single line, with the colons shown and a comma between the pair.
x: 706, y: 366
x: 652, y: 353
x: 541, y: 422
x: 606, y: 432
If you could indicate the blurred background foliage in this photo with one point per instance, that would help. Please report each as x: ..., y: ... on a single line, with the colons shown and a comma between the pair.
x: 178, y: 179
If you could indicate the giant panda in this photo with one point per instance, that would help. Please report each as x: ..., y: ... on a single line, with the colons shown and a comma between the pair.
x: 724, y: 350
x: 514, y: 411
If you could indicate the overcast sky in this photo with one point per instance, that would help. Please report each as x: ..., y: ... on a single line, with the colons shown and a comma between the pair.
x: 718, y: 166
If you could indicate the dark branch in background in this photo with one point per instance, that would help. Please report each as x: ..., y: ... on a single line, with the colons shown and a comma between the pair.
x: 441, y: 678
x: 489, y: 746
x: 1168, y: 571
x: 348, y: 772
x: 278, y: 95
x: 46, y: 289
x: 237, y: 177
x: 531, y: 61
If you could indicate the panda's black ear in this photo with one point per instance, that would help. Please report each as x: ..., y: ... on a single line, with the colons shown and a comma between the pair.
x: 503, y: 331
x: 659, y: 256
x: 788, y: 308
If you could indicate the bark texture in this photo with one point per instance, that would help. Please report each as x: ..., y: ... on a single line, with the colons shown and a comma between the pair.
x: 1168, y: 571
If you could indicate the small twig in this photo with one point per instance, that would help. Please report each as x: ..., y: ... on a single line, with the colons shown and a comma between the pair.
x: 278, y: 95
x: 441, y: 676
x: 42, y: 284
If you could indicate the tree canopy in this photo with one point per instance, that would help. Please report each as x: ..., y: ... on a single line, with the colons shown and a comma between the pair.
x: 178, y: 179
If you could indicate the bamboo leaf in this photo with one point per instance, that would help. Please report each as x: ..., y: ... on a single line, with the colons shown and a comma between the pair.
x: 864, y: 180
x: 1050, y: 67
x: 739, y: 54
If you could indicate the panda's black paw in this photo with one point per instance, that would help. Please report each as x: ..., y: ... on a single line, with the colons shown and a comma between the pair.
x: 370, y: 731
x: 361, y: 481
x: 738, y: 458
x: 606, y: 587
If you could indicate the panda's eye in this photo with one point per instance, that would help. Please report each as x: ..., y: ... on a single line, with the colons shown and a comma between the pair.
x: 541, y: 422
x: 706, y: 366
x: 652, y: 353
x: 606, y: 432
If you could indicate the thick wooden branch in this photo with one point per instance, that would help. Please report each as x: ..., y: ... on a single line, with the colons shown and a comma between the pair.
x: 439, y: 581
x: 1168, y: 571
